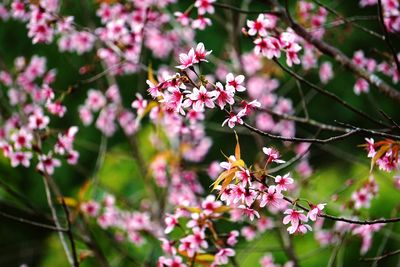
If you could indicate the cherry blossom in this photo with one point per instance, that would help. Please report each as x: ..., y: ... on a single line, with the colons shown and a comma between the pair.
x: 235, y: 83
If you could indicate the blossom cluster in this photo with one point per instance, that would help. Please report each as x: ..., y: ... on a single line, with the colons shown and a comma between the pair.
x: 126, y: 225
x: 32, y: 102
x: 372, y: 66
x: 256, y: 189
x: 111, y: 112
x: 201, y: 238
x: 268, y: 44
x: 203, y: 8
x: 119, y: 41
x: 384, y: 154
x: 391, y: 12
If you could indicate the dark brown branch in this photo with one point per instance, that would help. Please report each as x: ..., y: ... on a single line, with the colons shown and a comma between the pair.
x: 371, y: 132
x: 392, y: 253
x: 69, y: 233
x: 387, y: 37
x: 389, y: 118
x: 37, y: 224
x: 287, y: 245
x: 340, y: 57
x: 311, y: 122
x: 236, y: 9
x: 331, y: 95
x: 19, y: 197
x: 297, y: 139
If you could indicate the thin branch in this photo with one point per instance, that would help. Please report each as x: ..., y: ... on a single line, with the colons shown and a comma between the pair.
x: 371, y: 132
x: 389, y: 118
x: 308, y: 121
x: 37, y: 224
x: 392, y: 253
x: 69, y: 233
x: 287, y: 245
x: 233, y: 8
x: 331, y: 95
x: 303, y: 102
x: 19, y: 197
x: 56, y: 220
x: 297, y: 139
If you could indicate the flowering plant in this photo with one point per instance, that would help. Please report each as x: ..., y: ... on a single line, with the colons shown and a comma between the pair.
x: 198, y: 133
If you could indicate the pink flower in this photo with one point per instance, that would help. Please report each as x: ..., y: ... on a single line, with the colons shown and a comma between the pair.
x: 264, y: 223
x: 248, y: 232
x: 196, y: 240
x: 272, y: 198
x: 224, y: 96
x: 244, y: 177
x: 268, y: 261
x: 201, y: 23
x: 209, y: 205
x: 315, y: 210
x: 22, y: 139
x: 200, y: 98
x: 170, y: 221
x: 248, y: 107
x: 95, y: 100
x: 90, y: 208
x: 361, y: 198
x: 232, y: 238
x: 168, y: 246
x: 20, y: 158
x: 370, y: 147
x: 251, y: 213
x: 251, y: 63
x: 214, y: 169
x: 201, y: 53
x: 302, y: 228
x: 56, y: 108
x: 38, y: 121
x: 291, y: 54
x: 235, y: 83
x: 222, y: 255
x: 47, y: 164
x: 283, y: 183
x: 273, y: 155
x: 259, y: 26
x: 85, y: 115
x: 140, y: 104
x: 176, y: 261
x: 233, y: 119
x: 325, y: 72
x: 361, y: 86
x: 205, y: 6
x: 268, y: 47
x: 187, y: 60
x: 182, y: 18
x: 295, y: 217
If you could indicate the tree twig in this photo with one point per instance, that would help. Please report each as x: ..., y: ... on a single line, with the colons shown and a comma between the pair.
x: 233, y: 8
x: 37, y: 224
